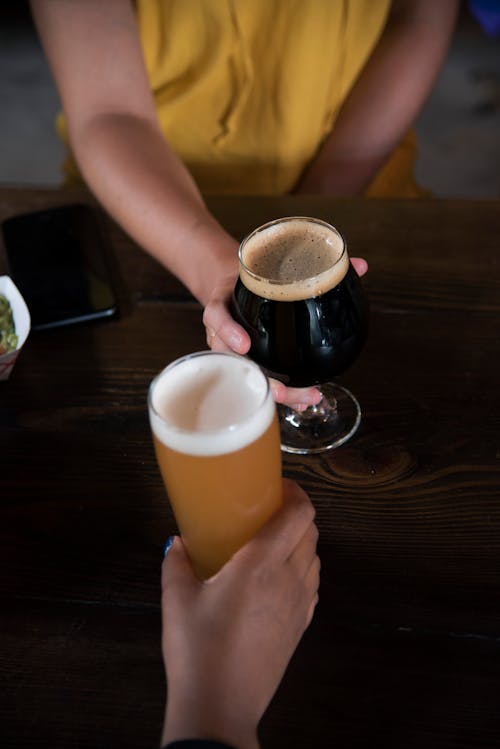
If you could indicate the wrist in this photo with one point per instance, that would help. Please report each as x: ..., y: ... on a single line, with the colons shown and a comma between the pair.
x: 197, y: 744
x: 202, y: 719
x: 340, y: 177
x: 214, y: 258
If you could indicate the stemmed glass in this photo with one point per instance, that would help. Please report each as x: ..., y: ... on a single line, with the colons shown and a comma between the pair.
x: 302, y: 303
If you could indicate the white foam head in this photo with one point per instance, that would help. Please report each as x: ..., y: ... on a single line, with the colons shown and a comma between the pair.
x: 210, y: 403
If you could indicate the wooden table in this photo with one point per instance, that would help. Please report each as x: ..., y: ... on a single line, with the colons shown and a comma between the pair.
x: 404, y: 650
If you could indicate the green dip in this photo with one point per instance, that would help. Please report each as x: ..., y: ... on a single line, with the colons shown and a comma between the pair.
x: 8, y: 337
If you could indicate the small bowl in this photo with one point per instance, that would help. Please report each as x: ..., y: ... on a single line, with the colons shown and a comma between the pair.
x: 22, y: 322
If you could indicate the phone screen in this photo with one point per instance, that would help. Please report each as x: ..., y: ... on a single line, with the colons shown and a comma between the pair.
x: 57, y: 260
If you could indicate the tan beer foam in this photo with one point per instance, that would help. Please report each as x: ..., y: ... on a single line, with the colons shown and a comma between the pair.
x: 293, y: 260
x: 210, y: 405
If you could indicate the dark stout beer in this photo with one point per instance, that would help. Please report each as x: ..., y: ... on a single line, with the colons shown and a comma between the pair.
x: 300, y: 300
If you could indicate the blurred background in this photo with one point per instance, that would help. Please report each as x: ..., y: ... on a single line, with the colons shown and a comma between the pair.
x: 458, y: 131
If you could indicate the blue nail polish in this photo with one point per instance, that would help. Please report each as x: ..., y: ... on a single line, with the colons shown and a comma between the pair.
x: 170, y: 541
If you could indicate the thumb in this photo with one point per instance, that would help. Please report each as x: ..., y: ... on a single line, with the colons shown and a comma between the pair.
x: 177, y: 575
x: 360, y: 265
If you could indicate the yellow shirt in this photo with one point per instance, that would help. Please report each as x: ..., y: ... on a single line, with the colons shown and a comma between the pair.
x: 247, y: 90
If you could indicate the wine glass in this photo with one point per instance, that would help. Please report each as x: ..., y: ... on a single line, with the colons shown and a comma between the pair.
x: 301, y: 302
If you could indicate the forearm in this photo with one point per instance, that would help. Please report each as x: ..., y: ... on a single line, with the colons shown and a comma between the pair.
x: 148, y: 191
x: 95, y: 55
x: 386, y: 98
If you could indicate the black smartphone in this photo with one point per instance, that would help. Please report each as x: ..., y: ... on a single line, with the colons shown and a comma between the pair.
x: 59, y: 261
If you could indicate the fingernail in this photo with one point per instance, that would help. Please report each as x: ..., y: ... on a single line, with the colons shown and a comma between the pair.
x: 170, y: 541
x: 315, y: 398
x: 235, y: 341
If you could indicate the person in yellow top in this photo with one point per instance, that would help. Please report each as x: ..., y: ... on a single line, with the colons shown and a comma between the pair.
x: 246, y: 91
x: 164, y: 100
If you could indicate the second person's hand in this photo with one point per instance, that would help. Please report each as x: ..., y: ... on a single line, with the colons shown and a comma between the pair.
x: 225, y: 334
x: 227, y: 641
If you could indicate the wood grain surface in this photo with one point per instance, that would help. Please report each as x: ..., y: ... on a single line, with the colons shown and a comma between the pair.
x: 404, y: 650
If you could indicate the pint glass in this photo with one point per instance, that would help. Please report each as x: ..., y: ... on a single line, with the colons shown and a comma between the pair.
x: 216, y: 438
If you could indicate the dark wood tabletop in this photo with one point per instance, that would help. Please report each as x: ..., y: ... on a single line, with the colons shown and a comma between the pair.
x: 404, y: 649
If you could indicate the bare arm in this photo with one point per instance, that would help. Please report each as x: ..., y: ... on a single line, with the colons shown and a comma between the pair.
x: 94, y: 52
x: 386, y: 98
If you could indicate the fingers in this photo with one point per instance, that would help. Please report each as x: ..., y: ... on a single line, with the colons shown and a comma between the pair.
x: 177, y: 572
x: 302, y: 556
x: 299, y: 398
x: 223, y: 333
x: 310, y: 613
x: 360, y: 265
x: 306, y: 567
x: 312, y: 584
x: 306, y: 562
x: 278, y: 538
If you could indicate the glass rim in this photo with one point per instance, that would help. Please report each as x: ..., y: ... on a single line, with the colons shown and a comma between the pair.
x: 207, y: 432
x: 274, y: 222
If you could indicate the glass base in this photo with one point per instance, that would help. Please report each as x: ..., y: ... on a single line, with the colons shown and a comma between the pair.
x: 322, y: 427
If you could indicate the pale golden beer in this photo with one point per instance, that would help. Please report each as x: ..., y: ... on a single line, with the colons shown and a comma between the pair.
x: 217, y: 443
